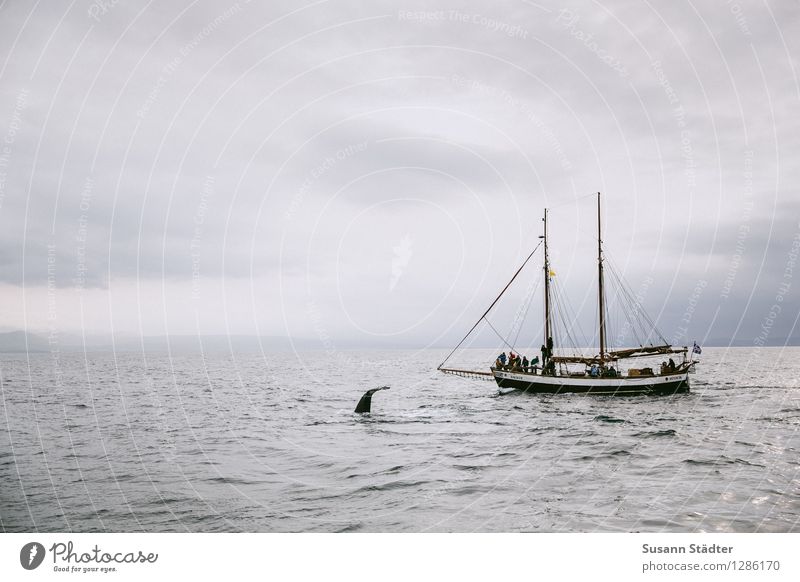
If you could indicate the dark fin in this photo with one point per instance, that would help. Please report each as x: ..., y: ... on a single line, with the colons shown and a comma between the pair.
x: 366, y: 401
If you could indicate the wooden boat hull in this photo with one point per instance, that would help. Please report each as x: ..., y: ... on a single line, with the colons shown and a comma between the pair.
x: 625, y: 386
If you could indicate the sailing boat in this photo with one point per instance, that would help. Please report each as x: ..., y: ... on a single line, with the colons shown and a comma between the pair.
x: 601, y: 372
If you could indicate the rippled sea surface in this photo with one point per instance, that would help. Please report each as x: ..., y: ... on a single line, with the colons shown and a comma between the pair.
x: 149, y: 442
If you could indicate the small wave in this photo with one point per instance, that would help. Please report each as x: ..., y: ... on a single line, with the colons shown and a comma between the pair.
x: 723, y: 460
x: 655, y: 433
x: 469, y: 467
x: 469, y: 490
x: 770, y: 419
x: 119, y: 477
x: 611, y: 419
x: 537, y: 429
x: 231, y: 481
x: 391, y: 486
x: 390, y: 471
x: 167, y: 500
x: 465, y: 454
x: 350, y: 527
x: 709, y: 462
x: 745, y: 443
x: 748, y: 463
x: 617, y: 453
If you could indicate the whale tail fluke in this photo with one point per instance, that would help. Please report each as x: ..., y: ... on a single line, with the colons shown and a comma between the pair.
x: 364, y: 405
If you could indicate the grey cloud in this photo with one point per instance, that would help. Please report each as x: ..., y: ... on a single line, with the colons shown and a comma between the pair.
x: 153, y: 103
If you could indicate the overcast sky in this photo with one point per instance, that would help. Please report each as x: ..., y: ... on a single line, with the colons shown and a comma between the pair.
x: 374, y: 172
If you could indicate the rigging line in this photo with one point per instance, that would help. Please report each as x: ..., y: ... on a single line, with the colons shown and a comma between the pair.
x: 573, y: 323
x: 625, y: 297
x: 492, y: 305
x: 559, y: 309
x: 525, y: 313
x: 631, y: 323
x: 502, y: 339
x: 641, y: 311
x: 621, y: 308
x: 562, y: 314
x: 639, y: 321
x: 517, y: 321
x: 621, y: 297
x: 634, y: 324
x: 573, y: 316
x: 652, y: 329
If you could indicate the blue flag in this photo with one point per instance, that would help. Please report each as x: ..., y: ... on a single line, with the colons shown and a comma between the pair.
x: 696, y: 349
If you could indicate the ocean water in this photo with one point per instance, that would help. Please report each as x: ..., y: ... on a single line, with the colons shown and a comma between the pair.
x: 269, y: 443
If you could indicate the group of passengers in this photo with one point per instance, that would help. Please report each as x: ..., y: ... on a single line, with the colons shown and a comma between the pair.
x: 668, y: 367
x: 602, y: 372
x: 516, y: 363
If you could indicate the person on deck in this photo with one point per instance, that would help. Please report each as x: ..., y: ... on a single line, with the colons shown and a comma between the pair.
x: 671, y: 365
x: 525, y: 363
x: 664, y: 368
x: 594, y: 372
x: 502, y: 358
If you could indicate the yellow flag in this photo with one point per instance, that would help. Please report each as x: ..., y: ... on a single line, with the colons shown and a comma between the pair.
x: 552, y: 273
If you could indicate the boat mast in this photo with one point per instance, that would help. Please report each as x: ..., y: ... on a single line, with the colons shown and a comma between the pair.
x: 600, y: 297
x: 547, y: 324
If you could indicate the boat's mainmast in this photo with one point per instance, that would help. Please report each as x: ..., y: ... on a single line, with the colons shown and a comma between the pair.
x: 600, y: 296
x: 547, y: 324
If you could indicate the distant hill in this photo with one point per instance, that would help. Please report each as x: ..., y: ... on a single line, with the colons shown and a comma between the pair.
x: 776, y: 342
x: 15, y: 342
x: 206, y: 343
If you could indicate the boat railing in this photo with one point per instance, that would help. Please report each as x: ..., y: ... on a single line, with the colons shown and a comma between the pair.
x: 532, y: 370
